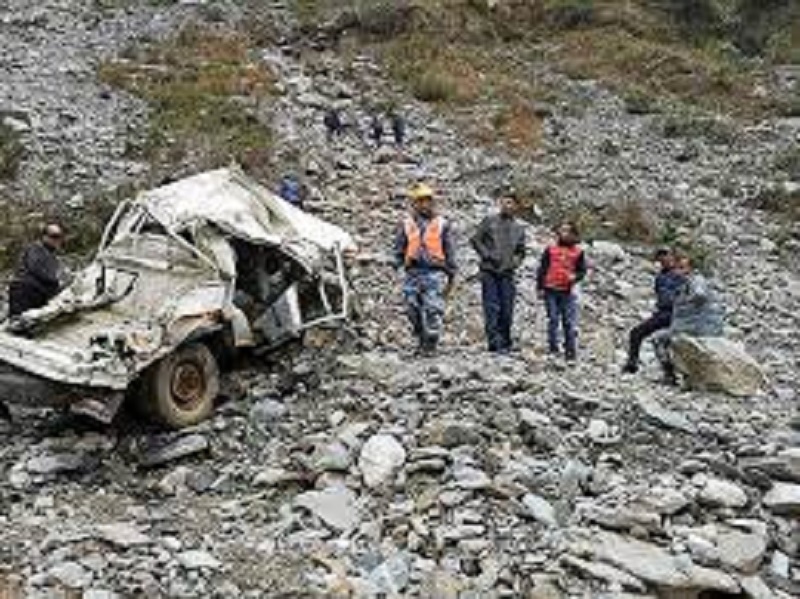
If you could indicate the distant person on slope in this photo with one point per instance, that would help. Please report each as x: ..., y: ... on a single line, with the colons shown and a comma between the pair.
x: 697, y: 312
x: 36, y: 279
x: 424, y: 248
x: 561, y: 268
x: 332, y: 120
x: 291, y: 190
x: 376, y: 129
x: 667, y: 283
x: 500, y: 244
x: 398, y: 124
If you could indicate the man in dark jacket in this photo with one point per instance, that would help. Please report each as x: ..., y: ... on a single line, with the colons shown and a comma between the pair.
x: 561, y: 268
x: 36, y: 280
x: 424, y: 248
x: 667, y: 283
x: 500, y: 244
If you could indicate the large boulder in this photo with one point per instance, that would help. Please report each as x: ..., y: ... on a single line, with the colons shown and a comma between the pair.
x: 717, y: 364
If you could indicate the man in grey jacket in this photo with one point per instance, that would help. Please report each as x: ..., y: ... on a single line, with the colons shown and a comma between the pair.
x: 36, y: 280
x: 500, y: 244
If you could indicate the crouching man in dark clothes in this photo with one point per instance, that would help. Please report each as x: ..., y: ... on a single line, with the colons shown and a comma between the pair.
x: 36, y: 280
x: 667, y: 283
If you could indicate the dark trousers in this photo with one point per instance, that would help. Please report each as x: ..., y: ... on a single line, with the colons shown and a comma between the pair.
x: 23, y: 297
x: 657, y: 322
x: 562, y: 313
x: 498, y: 291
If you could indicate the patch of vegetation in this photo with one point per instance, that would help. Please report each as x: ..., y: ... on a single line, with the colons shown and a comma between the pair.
x: 84, y: 227
x: 781, y: 200
x: 11, y: 152
x: 692, y: 125
x: 788, y: 161
x: 203, y: 87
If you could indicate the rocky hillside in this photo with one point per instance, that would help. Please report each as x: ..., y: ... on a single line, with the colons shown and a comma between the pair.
x: 359, y: 470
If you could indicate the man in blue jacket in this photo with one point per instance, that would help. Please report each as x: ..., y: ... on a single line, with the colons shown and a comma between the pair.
x: 667, y: 283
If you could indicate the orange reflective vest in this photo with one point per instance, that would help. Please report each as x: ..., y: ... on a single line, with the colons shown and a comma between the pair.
x: 563, y: 265
x: 427, y: 245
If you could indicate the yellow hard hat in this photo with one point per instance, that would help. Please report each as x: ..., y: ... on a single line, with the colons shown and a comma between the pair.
x: 420, y: 191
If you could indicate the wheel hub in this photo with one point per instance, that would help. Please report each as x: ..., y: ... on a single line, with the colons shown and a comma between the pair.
x: 188, y: 384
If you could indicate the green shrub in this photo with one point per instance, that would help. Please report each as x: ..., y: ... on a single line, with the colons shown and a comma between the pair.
x: 712, y: 129
x: 778, y: 199
x: 631, y: 221
x: 202, y: 86
x: 433, y: 85
x: 11, y: 152
x: 570, y: 14
x: 788, y: 161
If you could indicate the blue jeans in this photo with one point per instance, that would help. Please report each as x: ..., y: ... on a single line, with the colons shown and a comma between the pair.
x: 562, y: 312
x: 423, y: 292
x: 498, y: 291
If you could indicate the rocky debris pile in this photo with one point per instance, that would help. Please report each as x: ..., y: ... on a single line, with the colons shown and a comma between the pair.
x: 372, y: 473
x: 455, y: 477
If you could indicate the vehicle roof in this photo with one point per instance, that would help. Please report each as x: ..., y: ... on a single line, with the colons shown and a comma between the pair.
x: 240, y: 207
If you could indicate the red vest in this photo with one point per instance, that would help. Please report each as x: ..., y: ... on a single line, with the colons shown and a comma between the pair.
x: 563, y: 264
x: 432, y: 241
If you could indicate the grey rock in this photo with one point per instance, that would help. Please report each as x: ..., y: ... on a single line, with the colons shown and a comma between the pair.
x: 454, y: 433
x: 122, y: 535
x: 332, y: 457
x: 600, y: 571
x: 392, y: 577
x: 71, y: 574
x: 658, y: 415
x: 755, y: 588
x: 267, y: 412
x: 665, y: 501
x: 100, y: 594
x: 381, y: 457
x: 57, y: 463
x: 656, y: 566
x: 335, y: 506
x: 717, y: 492
x: 197, y: 559
x: 743, y: 551
x: 783, y: 498
x: 160, y: 453
x: 540, y: 509
x: 717, y: 364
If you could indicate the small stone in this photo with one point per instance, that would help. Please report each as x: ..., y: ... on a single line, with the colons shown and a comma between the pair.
x: 335, y: 506
x: 57, y: 463
x: 162, y: 453
x: 656, y: 414
x: 722, y: 493
x: 122, y: 535
x: 783, y: 498
x: 381, y: 457
x: 196, y: 559
x: 540, y: 509
x: 467, y: 477
x: 741, y: 550
x: 71, y: 575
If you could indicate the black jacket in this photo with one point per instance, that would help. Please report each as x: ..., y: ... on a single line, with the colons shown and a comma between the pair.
x: 36, y: 280
x: 500, y: 243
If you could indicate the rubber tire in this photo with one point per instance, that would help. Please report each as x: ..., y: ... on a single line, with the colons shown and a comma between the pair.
x: 162, y: 404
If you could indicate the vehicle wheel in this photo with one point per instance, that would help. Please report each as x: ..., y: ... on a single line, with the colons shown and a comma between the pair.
x: 180, y: 389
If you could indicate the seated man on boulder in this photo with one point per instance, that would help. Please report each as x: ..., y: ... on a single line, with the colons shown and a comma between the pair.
x: 697, y: 312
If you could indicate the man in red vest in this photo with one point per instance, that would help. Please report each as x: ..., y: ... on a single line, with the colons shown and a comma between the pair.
x: 424, y: 248
x: 561, y: 268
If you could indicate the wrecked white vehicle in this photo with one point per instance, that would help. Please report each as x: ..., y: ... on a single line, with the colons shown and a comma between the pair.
x: 184, y: 273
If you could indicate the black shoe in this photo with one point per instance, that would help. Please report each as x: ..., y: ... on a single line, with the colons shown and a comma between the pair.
x: 630, y: 368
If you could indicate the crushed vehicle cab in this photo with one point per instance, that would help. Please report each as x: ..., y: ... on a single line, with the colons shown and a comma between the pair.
x: 183, y: 273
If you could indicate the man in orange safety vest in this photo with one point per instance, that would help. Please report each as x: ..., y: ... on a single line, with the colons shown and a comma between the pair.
x: 424, y: 249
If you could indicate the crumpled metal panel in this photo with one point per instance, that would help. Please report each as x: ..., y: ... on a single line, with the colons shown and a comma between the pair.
x: 165, y: 270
